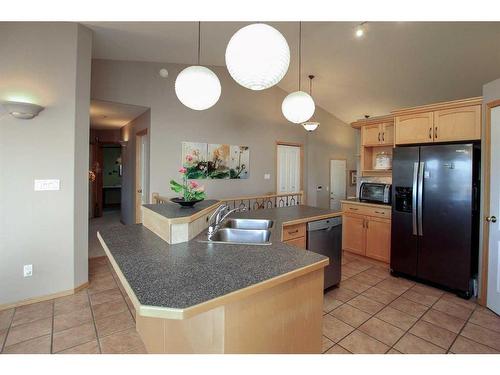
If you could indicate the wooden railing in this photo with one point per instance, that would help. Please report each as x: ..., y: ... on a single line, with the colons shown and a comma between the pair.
x: 256, y: 202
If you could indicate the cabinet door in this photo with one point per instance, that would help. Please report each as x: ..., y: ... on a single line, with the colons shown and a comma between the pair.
x: 387, y: 137
x: 414, y: 128
x: 298, y: 242
x: 353, y: 233
x: 371, y: 134
x: 458, y: 124
x: 378, y: 239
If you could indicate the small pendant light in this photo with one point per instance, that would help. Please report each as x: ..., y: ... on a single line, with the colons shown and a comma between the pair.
x: 310, y: 126
x: 197, y: 87
x: 298, y: 106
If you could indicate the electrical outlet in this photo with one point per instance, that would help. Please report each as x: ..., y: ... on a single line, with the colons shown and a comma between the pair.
x: 267, y: 176
x: 28, y: 270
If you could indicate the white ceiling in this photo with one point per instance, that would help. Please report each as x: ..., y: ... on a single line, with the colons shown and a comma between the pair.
x: 395, y: 65
x: 109, y: 115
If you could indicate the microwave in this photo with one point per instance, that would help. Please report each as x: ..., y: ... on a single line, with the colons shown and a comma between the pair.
x: 375, y: 193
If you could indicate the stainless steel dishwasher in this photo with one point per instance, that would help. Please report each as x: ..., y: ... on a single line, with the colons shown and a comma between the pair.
x: 325, y: 237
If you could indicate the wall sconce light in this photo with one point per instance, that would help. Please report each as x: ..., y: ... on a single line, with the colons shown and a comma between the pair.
x: 123, y: 143
x: 25, y: 111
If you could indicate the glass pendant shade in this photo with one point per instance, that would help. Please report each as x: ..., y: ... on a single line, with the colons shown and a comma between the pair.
x: 257, y: 56
x: 197, y: 87
x: 298, y: 107
x: 310, y: 126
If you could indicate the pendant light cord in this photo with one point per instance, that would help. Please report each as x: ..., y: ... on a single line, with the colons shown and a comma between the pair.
x: 300, y: 50
x: 199, y: 41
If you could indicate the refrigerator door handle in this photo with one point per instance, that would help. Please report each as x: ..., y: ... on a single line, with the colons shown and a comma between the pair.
x: 414, y: 198
x: 420, y: 193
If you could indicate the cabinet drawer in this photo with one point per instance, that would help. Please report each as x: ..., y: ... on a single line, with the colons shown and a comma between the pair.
x: 294, y: 231
x: 299, y: 242
x: 360, y: 209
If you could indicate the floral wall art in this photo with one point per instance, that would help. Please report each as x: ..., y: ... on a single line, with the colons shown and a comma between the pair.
x: 215, y: 161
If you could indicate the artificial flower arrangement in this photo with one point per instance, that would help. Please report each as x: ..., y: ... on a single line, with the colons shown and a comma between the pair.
x: 191, y: 191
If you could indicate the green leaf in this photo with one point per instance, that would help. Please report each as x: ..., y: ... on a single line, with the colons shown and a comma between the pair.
x: 176, y: 187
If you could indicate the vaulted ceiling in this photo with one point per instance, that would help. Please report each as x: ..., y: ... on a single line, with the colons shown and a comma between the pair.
x: 395, y: 65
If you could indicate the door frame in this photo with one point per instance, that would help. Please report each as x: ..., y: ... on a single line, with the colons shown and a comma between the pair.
x: 486, y: 148
x: 137, y: 178
x: 330, y: 177
x: 293, y: 144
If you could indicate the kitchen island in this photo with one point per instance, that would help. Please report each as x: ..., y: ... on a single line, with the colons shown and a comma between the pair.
x: 196, y: 297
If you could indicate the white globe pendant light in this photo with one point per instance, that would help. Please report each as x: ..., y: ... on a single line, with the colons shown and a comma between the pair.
x: 197, y: 87
x: 298, y: 106
x: 257, y: 56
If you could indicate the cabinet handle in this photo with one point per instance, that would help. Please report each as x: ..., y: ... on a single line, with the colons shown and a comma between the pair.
x: 436, y: 132
x: 379, y: 136
x: 293, y: 231
x: 380, y: 212
x: 430, y: 132
x: 353, y: 209
x: 366, y: 224
x: 383, y: 137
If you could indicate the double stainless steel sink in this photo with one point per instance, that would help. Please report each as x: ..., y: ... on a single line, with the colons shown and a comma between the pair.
x: 243, y: 232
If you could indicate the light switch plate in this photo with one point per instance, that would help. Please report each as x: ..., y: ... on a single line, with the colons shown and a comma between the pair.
x: 47, y: 185
x: 267, y: 176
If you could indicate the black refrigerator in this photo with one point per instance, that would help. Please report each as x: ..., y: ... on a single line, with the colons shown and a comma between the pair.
x: 435, y: 214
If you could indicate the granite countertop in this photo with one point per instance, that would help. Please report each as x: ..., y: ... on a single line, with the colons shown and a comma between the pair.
x: 187, y: 274
x: 174, y: 211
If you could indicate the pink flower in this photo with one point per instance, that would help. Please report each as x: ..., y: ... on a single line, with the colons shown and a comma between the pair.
x: 189, y: 158
x: 193, y: 184
x: 183, y: 170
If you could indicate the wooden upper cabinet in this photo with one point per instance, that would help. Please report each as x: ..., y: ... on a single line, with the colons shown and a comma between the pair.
x: 387, y: 130
x: 371, y: 135
x: 458, y: 124
x: 378, y: 239
x: 378, y: 134
x: 414, y: 128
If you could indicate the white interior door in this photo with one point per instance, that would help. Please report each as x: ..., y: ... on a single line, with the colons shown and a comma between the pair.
x: 493, y: 297
x: 288, y: 174
x: 338, y: 182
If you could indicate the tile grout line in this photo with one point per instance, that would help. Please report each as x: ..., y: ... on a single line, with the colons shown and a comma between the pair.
x: 93, y: 323
x: 52, y: 328
x: 8, y: 331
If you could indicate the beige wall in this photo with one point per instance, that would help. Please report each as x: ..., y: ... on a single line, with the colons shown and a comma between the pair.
x: 49, y: 64
x: 240, y: 117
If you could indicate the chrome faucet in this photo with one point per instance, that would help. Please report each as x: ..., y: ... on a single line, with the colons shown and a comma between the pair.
x: 219, y: 218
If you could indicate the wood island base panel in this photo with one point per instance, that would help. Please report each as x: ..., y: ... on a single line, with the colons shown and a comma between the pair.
x: 283, y: 319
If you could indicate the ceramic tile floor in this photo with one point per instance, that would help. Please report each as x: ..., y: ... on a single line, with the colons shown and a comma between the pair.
x: 374, y: 312
x: 99, y: 319
x: 370, y: 312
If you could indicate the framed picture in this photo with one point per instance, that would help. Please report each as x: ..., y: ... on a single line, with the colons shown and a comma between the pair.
x: 353, y: 178
x: 215, y: 161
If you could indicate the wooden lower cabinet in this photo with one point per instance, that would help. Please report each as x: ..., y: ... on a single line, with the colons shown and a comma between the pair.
x: 353, y: 233
x: 368, y: 236
x: 378, y: 239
